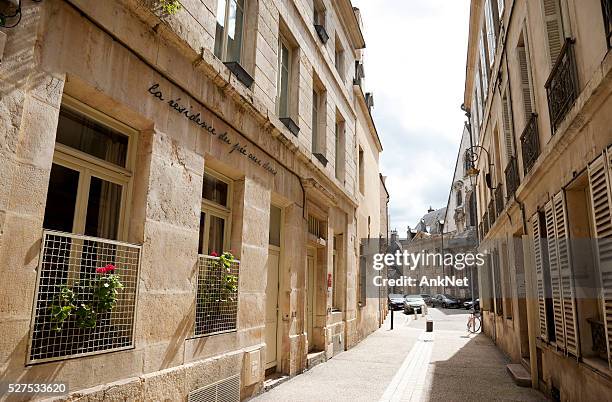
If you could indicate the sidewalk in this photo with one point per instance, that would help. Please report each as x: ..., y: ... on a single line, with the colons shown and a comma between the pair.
x: 407, y: 364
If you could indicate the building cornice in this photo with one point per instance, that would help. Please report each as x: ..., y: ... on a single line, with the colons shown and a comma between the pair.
x: 366, y: 111
x: 347, y: 15
x: 472, y: 50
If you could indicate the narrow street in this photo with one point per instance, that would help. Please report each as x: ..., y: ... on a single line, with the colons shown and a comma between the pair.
x: 408, y: 364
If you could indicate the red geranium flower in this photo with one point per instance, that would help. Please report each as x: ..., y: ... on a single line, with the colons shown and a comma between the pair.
x: 107, y: 268
x: 214, y: 254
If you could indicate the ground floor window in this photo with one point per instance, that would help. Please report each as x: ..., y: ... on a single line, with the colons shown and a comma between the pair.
x: 86, y: 285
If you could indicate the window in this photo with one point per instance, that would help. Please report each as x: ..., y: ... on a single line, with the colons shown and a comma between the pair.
x: 484, y: 67
x: 500, y: 6
x: 274, y: 237
x: 492, y: 24
x: 88, y: 185
x: 319, y: 13
x: 508, y: 126
x: 361, y: 172
x: 525, y: 72
x: 319, y: 117
x: 215, y: 215
x: 85, y: 215
x: 229, y: 31
x: 339, y: 58
x: 340, y: 146
x: 554, y: 28
x: 284, y: 77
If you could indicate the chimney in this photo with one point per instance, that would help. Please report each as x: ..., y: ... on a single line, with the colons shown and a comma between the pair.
x: 430, y: 210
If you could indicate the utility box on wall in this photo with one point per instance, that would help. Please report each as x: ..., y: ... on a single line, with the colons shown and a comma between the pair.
x: 251, y: 367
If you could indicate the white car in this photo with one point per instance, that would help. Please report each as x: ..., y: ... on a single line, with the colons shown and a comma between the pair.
x: 414, y: 303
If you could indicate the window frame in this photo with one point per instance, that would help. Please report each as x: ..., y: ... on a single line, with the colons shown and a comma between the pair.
x: 210, y: 208
x: 282, y: 41
x: 89, y: 166
x: 225, y: 40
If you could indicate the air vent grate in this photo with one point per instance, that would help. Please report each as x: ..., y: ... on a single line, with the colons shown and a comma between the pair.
x: 227, y: 390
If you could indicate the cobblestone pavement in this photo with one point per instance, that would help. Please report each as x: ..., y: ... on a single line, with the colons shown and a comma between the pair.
x: 408, y: 364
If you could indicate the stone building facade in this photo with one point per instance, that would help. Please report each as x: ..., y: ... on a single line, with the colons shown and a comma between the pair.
x: 538, y: 95
x: 140, y: 143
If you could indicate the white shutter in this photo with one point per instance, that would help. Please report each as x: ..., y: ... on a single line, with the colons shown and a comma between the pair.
x: 525, y: 82
x: 483, y: 66
x: 554, y: 28
x: 539, y: 267
x: 599, y: 180
x: 566, y: 274
x: 555, y: 278
x: 490, y: 26
x: 508, y: 132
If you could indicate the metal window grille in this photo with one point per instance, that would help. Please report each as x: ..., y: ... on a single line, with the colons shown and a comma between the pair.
x: 69, y: 261
x: 562, y: 85
x: 315, y: 227
x: 530, y: 143
x: 216, y: 296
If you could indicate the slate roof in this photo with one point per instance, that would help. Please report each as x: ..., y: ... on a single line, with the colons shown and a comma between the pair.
x: 428, y: 223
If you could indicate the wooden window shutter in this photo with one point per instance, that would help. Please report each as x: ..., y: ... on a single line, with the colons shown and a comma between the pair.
x: 539, y: 267
x: 554, y: 28
x: 525, y: 81
x: 566, y: 274
x: 508, y: 129
x: 599, y: 180
x: 555, y: 277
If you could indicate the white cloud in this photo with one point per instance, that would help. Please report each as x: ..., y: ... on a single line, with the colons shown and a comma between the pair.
x: 415, y: 65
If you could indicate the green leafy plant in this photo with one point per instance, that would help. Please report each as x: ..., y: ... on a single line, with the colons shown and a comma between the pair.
x: 85, y: 302
x: 62, y: 308
x: 229, y: 281
x: 170, y: 7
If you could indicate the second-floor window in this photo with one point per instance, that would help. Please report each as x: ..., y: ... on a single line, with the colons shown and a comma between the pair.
x: 229, y: 31
x: 339, y: 57
x: 284, y: 77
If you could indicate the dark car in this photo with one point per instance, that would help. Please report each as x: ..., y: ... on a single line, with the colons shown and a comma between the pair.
x: 426, y: 298
x: 396, y: 301
x: 444, y: 301
x: 468, y: 305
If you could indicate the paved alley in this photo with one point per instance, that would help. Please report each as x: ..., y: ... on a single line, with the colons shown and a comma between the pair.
x: 408, y: 364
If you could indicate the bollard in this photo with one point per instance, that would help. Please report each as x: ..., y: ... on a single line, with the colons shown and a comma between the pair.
x: 429, y: 325
x: 416, y: 317
x: 392, y: 318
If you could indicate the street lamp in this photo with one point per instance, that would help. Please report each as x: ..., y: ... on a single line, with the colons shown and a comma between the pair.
x: 441, y: 225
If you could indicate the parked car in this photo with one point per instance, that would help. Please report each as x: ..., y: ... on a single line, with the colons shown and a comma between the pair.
x: 468, y: 305
x: 414, y: 303
x: 444, y: 301
x: 426, y: 298
x: 396, y: 301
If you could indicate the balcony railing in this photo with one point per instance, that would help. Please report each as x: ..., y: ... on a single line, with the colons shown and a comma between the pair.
x: 217, y: 296
x: 530, y: 143
x: 513, y: 179
x: 499, y: 199
x: 491, y: 211
x: 74, y: 315
x: 562, y: 85
x: 606, y: 7
x: 485, y: 224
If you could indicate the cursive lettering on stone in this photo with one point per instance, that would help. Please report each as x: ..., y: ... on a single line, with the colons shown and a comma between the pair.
x: 196, y: 118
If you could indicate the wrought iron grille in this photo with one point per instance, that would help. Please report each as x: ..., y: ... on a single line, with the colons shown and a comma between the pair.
x: 491, y: 211
x: 513, y: 179
x: 530, y: 143
x: 316, y: 227
x: 73, y: 315
x: 499, y: 199
x: 562, y: 85
x: 606, y: 7
x: 216, y: 296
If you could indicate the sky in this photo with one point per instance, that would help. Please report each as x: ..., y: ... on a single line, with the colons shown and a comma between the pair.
x: 414, y: 63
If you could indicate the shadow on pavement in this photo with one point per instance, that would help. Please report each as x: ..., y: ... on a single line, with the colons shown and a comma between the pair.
x: 471, y: 369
